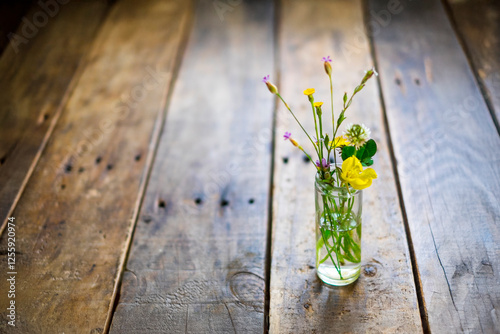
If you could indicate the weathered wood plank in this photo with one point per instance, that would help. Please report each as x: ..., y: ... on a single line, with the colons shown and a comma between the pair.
x: 478, y: 23
x: 383, y: 300
x: 198, y: 257
x: 74, y: 223
x: 39, y: 68
x: 448, y: 150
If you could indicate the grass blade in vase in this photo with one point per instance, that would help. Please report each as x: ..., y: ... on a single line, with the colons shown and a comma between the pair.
x: 342, y: 172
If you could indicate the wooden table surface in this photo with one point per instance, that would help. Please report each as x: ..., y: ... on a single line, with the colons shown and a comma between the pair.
x: 142, y: 159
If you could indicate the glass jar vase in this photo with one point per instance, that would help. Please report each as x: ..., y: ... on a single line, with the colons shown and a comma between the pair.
x: 338, y: 233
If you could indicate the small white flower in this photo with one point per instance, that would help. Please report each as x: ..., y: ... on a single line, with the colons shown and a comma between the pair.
x: 357, y: 134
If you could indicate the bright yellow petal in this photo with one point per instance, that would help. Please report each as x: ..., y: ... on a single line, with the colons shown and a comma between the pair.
x: 369, y: 172
x: 364, y: 180
x: 339, y: 142
x: 352, y: 164
x: 318, y: 104
x: 309, y: 91
x: 353, y: 173
x: 361, y: 183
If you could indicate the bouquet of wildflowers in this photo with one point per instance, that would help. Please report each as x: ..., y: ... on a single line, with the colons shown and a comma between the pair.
x: 339, y: 224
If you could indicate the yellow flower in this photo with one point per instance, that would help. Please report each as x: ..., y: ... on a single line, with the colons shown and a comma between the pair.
x: 340, y: 141
x: 309, y: 91
x: 353, y: 173
x: 318, y: 104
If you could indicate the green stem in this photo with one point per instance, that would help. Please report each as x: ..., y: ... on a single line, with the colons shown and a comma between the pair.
x: 331, y: 97
x: 336, y: 239
x: 330, y: 253
x: 291, y: 112
x: 320, y: 143
x: 334, y: 132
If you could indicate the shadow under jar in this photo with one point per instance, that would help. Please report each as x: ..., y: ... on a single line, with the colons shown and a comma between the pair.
x: 338, y: 233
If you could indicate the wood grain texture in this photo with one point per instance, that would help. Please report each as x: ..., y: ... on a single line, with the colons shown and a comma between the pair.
x: 77, y: 213
x: 448, y: 150
x: 37, y: 78
x: 198, y: 256
x: 383, y: 300
x: 478, y: 23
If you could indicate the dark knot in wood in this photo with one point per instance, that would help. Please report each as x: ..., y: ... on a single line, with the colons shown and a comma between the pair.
x: 248, y: 288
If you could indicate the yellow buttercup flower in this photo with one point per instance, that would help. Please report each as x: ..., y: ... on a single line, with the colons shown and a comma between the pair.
x: 353, y: 173
x: 340, y: 141
x: 309, y: 91
x: 318, y: 104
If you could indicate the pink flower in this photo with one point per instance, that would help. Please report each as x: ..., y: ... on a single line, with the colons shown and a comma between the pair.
x: 287, y: 135
x: 324, y: 164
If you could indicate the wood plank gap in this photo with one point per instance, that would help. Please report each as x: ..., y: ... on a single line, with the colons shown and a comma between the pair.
x: 53, y: 123
x: 267, y: 301
x: 416, y: 276
x: 479, y: 81
x: 157, y: 133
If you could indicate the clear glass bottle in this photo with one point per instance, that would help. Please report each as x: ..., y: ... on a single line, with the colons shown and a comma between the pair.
x: 338, y: 233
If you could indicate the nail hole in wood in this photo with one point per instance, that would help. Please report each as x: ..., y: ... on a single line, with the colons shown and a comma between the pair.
x: 63, y: 186
x: 2, y: 160
x: 161, y: 203
x: 137, y: 157
x: 45, y: 117
x: 68, y: 168
x: 98, y: 160
x: 81, y: 170
x: 398, y: 81
x: 417, y: 82
x: 198, y: 201
x: 370, y: 271
x: 109, y: 167
x: 285, y: 160
x: 305, y: 159
x: 224, y: 202
x: 251, y: 201
x: 147, y: 219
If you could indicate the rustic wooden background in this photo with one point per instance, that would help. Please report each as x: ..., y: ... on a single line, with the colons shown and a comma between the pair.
x: 143, y: 161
